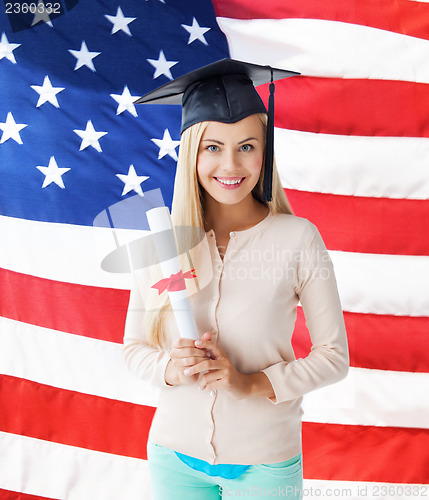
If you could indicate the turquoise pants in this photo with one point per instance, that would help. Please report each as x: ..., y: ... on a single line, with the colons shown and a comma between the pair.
x: 171, y: 479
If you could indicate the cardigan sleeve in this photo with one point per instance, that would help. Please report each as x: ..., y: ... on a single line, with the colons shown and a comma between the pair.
x: 328, y: 360
x: 143, y: 360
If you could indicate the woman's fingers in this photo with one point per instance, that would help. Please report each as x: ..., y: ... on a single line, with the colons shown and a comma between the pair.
x: 210, y: 346
x: 204, y: 356
x: 182, y: 343
x: 186, y: 353
x: 203, y: 366
x: 185, y: 356
x: 211, y: 376
x: 190, y: 361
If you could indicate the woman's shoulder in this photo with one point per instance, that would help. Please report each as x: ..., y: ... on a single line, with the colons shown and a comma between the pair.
x: 292, y: 224
x: 294, y: 233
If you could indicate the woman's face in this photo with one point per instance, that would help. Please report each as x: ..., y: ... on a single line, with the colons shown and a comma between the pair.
x: 230, y: 159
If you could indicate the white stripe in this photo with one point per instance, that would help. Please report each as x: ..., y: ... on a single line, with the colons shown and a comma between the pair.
x: 368, y: 283
x: 54, y: 470
x: 315, y: 489
x: 62, y: 252
x: 365, y: 397
x: 389, y: 167
x: 328, y: 48
x: 65, y: 472
x: 70, y: 362
x: 382, y: 284
x: 371, y: 397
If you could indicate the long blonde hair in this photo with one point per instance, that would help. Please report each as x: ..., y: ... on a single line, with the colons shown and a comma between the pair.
x: 188, y: 210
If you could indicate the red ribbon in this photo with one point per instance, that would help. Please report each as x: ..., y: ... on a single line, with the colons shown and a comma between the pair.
x: 175, y: 282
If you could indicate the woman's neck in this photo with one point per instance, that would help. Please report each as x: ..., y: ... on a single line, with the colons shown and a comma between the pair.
x: 224, y: 218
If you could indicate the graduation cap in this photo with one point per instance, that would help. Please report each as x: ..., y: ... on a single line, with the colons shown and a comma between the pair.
x: 225, y: 92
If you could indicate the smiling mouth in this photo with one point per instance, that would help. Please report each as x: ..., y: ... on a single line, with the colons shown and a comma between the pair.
x: 230, y: 181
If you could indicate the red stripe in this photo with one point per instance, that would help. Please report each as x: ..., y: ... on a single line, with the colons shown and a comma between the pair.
x: 370, y: 335
x: 73, y: 418
x: 84, y: 310
x: 330, y: 451
x: 14, y: 495
x: 381, y: 342
x: 365, y: 453
x: 400, y: 16
x: 361, y: 107
x: 364, y: 224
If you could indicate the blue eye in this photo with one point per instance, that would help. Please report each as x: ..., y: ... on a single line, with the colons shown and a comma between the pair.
x: 246, y: 147
x: 212, y: 148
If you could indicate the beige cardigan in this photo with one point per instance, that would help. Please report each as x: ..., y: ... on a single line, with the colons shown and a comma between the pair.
x: 249, y: 301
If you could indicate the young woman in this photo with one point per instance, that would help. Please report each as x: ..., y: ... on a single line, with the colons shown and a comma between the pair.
x: 228, y: 422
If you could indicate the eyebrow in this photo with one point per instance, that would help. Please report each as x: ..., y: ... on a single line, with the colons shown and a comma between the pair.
x: 213, y: 140
x: 222, y: 144
x: 249, y: 139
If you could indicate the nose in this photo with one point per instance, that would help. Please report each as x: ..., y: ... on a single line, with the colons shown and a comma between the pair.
x: 230, y: 163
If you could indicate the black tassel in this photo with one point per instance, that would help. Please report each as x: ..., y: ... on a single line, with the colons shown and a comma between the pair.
x: 269, y: 149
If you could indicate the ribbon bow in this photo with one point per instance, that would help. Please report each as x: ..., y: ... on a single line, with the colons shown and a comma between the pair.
x: 175, y: 282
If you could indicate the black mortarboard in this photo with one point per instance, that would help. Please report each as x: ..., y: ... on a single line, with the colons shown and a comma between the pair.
x: 225, y: 92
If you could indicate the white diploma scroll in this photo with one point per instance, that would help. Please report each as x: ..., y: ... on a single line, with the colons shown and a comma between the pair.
x: 159, y: 220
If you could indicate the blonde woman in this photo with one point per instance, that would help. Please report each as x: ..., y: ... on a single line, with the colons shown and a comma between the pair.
x: 228, y: 422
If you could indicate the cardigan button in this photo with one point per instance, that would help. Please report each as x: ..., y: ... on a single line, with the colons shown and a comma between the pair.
x: 232, y: 234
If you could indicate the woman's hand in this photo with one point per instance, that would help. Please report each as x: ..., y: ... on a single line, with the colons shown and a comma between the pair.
x: 183, y: 355
x: 222, y: 374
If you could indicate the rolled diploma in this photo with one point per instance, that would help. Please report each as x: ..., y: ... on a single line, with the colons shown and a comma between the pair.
x: 159, y: 219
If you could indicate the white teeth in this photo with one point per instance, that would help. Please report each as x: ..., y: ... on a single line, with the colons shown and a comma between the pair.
x: 230, y: 182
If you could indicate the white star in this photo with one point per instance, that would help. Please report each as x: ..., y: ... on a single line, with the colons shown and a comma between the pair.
x: 125, y: 101
x: 132, y: 181
x: 11, y: 129
x: 47, y: 93
x: 42, y: 14
x: 166, y: 145
x: 162, y: 66
x: 196, y: 32
x: 53, y: 173
x: 90, y: 137
x: 84, y: 57
x: 6, y: 48
x: 120, y: 22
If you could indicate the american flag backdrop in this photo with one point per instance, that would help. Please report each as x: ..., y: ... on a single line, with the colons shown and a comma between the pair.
x: 352, y: 146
